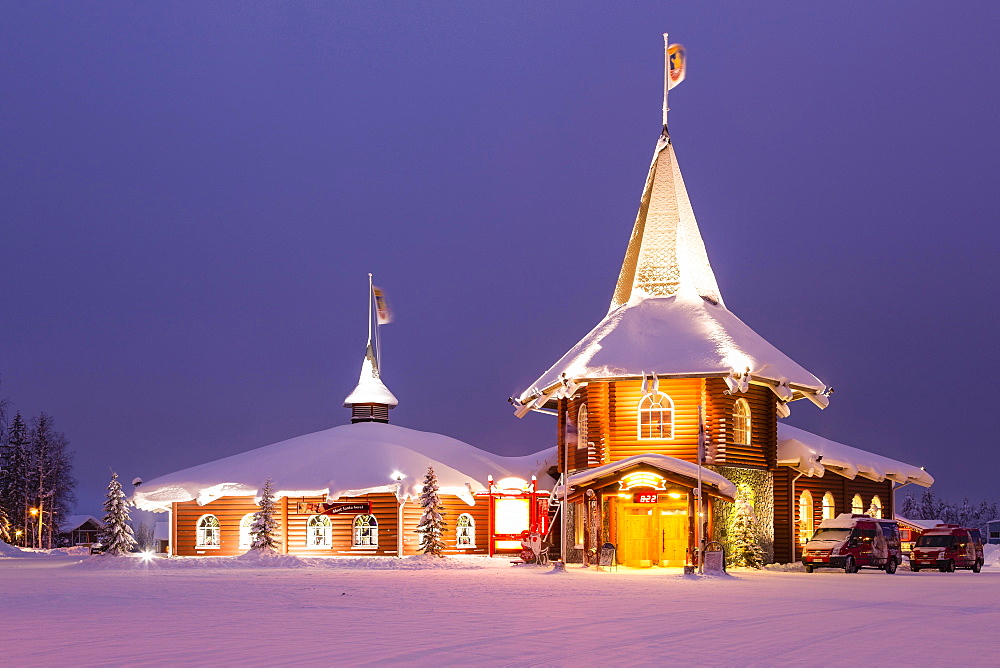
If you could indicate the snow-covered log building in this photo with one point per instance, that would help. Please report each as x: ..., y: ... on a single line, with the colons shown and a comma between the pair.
x: 671, y: 388
x: 352, y: 490
x: 668, y: 410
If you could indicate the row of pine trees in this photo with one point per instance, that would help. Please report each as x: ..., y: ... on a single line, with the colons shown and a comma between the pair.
x: 37, y: 488
x: 966, y: 513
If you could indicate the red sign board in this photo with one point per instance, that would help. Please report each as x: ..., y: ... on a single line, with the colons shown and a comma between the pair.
x: 336, y: 508
x: 645, y: 497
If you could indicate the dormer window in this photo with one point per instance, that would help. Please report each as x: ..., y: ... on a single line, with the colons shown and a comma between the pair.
x: 741, y: 422
x: 656, y: 416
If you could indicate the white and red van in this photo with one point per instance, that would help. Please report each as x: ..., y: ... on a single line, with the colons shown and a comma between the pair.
x: 852, y: 542
x: 948, y: 547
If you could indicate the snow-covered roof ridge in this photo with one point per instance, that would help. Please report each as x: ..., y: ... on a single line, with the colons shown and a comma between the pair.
x: 370, y: 388
x: 675, y: 336
x: 813, y: 455
x: 71, y: 522
x: 354, y: 459
x: 666, y: 254
x: 690, y: 469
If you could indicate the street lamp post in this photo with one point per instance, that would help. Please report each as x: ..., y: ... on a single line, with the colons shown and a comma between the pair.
x: 38, y: 511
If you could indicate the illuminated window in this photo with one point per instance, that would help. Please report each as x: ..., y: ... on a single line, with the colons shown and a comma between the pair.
x: 857, y: 505
x: 741, y: 422
x: 875, y: 510
x: 656, y: 416
x: 579, y: 512
x: 365, y: 531
x: 828, y: 506
x: 805, y: 517
x: 511, y: 516
x: 319, y: 531
x: 245, y: 525
x: 581, y: 428
x: 209, y: 533
x: 465, y: 531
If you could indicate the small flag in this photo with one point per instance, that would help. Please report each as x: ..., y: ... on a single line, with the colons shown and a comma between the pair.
x: 382, y: 312
x: 677, y: 61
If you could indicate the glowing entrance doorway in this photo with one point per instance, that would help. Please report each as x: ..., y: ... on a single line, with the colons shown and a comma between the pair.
x: 653, y: 534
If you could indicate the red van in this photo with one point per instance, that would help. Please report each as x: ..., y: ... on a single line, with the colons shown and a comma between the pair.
x: 948, y: 547
x: 853, y: 542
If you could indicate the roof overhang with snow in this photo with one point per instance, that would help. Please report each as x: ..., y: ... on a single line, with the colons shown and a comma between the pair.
x: 712, y: 482
x: 345, y: 461
x: 813, y: 455
x: 675, y: 337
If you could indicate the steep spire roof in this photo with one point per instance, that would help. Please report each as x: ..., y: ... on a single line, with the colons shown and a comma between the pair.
x: 666, y: 255
x: 370, y: 389
x: 667, y: 316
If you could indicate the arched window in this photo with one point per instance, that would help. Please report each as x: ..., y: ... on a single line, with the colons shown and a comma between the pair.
x: 319, y: 531
x: 245, y: 524
x: 656, y: 416
x: 857, y: 505
x: 582, y: 434
x: 365, y: 531
x: 209, y: 532
x: 828, y: 506
x: 741, y: 422
x: 805, y: 517
x: 465, y: 531
x: 875, y: 510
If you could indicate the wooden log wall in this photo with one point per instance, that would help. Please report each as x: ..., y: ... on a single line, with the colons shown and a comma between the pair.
x: 292, y: 526
x: 229, y: 510
x: 624, y: 397
x: 762, y: 450
x: 453, y: 507
x: 843, y: 491
x: 384, y: 507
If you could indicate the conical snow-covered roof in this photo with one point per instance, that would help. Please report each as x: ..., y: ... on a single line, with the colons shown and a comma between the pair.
x: 665, y: 252
x: 667, y: 315
x: 349, y: 460
x: 370, y: 388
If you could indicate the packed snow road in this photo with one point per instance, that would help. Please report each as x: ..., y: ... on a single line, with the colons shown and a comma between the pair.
x: 106, y: 611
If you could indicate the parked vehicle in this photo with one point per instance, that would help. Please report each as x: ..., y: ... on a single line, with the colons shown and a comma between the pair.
x: 948, y: 547
x: 853, y: 542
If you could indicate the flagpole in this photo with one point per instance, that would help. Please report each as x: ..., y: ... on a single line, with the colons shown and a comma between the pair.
x: 666, y: 76
x: 371, y: 298
x: 701, y: 461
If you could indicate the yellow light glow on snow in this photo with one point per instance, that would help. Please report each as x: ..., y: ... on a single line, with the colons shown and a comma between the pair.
x: 642, y: 479
x: 511, y: 516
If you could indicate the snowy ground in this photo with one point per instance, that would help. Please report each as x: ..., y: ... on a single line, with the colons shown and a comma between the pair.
x: 91, y: 611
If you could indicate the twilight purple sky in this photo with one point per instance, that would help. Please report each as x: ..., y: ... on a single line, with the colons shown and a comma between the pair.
x: 192, y: 195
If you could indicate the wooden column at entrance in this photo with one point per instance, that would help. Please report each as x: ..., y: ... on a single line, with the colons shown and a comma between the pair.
x: 692, y: 546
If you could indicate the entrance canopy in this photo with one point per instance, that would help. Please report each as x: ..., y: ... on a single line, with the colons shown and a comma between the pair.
x: 675, y: 470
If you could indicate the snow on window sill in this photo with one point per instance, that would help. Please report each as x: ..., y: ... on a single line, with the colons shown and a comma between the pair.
x: 208, y: 547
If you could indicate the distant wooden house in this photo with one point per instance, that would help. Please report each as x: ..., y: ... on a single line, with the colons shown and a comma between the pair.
x: 79, y: 530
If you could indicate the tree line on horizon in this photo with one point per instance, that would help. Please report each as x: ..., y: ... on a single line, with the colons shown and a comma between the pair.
x: 965, y: 514
x: 37, y: 487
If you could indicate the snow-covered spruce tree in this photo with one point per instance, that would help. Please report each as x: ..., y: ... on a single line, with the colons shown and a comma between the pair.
x: 746, y: 549
x: 910, y: 509
x: 431, y: 526
x: 117, y: 536
x: 264, y: 526
x: 14, y: 477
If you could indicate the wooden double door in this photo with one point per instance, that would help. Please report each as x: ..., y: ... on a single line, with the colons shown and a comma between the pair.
x: 652, y: 534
